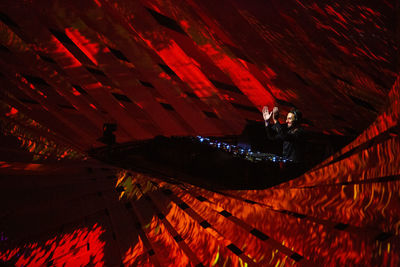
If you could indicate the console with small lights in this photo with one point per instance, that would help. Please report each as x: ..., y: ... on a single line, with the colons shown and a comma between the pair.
x: 244, y: 153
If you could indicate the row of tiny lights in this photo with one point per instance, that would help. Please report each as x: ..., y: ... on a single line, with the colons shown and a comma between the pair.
x: 240, y: 151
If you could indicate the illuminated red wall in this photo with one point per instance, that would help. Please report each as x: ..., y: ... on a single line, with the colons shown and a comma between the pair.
x: 196, y: 68
x: 186, y: 68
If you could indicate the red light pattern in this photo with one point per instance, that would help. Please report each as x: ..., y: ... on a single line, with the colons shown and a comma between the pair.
x: 137, y: 256
x: 83, y: 44
x: 79, y: 248
x: 69, y: 60
x: 332, y: 61
x: 343, y: 212
x: 128, y: 183
x: 356, y: 190
x: 26, y: 131
x: 290, y: 54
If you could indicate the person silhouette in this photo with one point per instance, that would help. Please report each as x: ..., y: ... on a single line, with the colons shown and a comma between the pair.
x: 291, y: 133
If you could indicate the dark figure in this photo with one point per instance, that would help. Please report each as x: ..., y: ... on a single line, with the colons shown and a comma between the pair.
x: 291, y: 133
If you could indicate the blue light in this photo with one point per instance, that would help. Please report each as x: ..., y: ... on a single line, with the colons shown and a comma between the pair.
x: 245, y: 153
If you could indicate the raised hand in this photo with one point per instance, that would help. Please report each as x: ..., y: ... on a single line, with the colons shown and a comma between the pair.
x: 275, y: 113
x: 267, y: 115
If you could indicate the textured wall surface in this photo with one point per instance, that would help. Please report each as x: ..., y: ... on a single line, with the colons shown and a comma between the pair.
x: 186, y: 68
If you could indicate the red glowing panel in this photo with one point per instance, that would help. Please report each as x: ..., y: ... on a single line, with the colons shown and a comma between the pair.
x: 12, y: 112
x: 186, y: 69
x: 164, y: 76
x: 93, y: 106
x: 98, y: 3
x: 184, y: 24
x: 330, y: 10
x: 25, y: 81
x: 80, y: 248
x: 93, y: 86
x: 319, y: 25
x: 371, y: 11
x: 4, y: 164
x: 88, y: 48
x: 71, y: 61
x: 241, y: 76
x: 75, y: 92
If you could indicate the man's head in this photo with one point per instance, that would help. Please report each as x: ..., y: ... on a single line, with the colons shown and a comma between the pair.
x: 293, y: 118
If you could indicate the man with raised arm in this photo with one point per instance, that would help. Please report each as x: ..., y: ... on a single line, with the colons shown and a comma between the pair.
x: 291, y: 133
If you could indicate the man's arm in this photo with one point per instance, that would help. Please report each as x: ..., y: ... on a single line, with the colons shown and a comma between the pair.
x: 271, y: 130
x: 275, y: 115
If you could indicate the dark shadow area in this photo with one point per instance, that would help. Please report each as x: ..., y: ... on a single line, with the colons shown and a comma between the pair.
x: 188, y: 160
x: 67, y: 211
